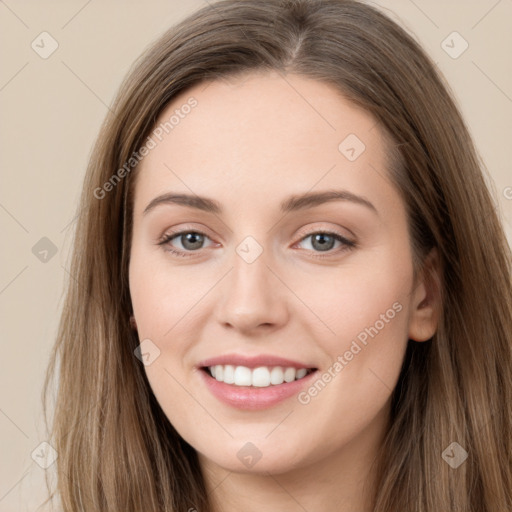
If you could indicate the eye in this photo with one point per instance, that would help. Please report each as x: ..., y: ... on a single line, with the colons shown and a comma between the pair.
x: 192, y: 241
x: 324, y: 241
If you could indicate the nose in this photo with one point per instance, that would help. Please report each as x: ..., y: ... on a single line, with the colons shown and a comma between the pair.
x: 253, y: 298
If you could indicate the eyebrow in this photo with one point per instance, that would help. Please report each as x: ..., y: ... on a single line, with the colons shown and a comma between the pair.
x: 293, y: 203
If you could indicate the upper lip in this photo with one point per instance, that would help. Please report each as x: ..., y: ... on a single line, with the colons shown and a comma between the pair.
x: 253, y: 361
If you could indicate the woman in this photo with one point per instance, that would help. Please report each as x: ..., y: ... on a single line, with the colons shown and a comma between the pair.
x: 290, y: 287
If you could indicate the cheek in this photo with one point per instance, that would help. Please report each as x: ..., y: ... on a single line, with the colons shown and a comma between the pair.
x: 161, y: 294
x: 162, y: 299
x: 354, y: 296
x: 365, y: 307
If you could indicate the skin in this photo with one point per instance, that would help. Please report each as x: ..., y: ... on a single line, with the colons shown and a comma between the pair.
x: 250, y: 143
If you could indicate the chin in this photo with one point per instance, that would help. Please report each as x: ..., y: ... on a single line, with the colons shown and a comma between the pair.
x: 254, y: 457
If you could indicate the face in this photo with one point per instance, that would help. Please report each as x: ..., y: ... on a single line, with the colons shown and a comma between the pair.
x: 265, y: 285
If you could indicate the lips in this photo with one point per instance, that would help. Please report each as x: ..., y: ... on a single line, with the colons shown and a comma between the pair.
x: 254, y: 382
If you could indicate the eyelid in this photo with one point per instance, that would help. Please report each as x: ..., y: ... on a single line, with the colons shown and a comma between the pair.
x: 333, y: 231
x: 182, y: 229
x: 301, y: 234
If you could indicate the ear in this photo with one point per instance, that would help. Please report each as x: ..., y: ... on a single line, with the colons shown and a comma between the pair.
x: 426, y: 299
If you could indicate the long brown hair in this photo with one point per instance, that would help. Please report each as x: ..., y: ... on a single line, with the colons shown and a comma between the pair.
x: 116, y: 449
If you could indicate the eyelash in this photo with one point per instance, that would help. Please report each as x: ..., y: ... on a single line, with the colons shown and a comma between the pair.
x: 347, y: 244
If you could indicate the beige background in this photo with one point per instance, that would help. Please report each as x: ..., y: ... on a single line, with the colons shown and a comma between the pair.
x: 51, y: 112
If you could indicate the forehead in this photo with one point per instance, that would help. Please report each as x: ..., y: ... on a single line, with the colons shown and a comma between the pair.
x: 261, y: 134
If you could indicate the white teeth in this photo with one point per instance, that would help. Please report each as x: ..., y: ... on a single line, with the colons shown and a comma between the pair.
x: 301, y: 373
x: 243, y: 376
x: 260, y: 377
x: 276, y: 375
x: 289, y: 374
x: 229, y: 374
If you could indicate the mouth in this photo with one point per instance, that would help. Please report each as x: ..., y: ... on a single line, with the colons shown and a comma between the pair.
x: 259, y: 377
x: 255, y: 382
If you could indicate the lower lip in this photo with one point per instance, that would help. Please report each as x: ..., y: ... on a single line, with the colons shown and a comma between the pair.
x: 254, y: 398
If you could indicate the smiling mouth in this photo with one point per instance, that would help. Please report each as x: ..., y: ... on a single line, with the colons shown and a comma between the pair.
x: 260, y: 377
